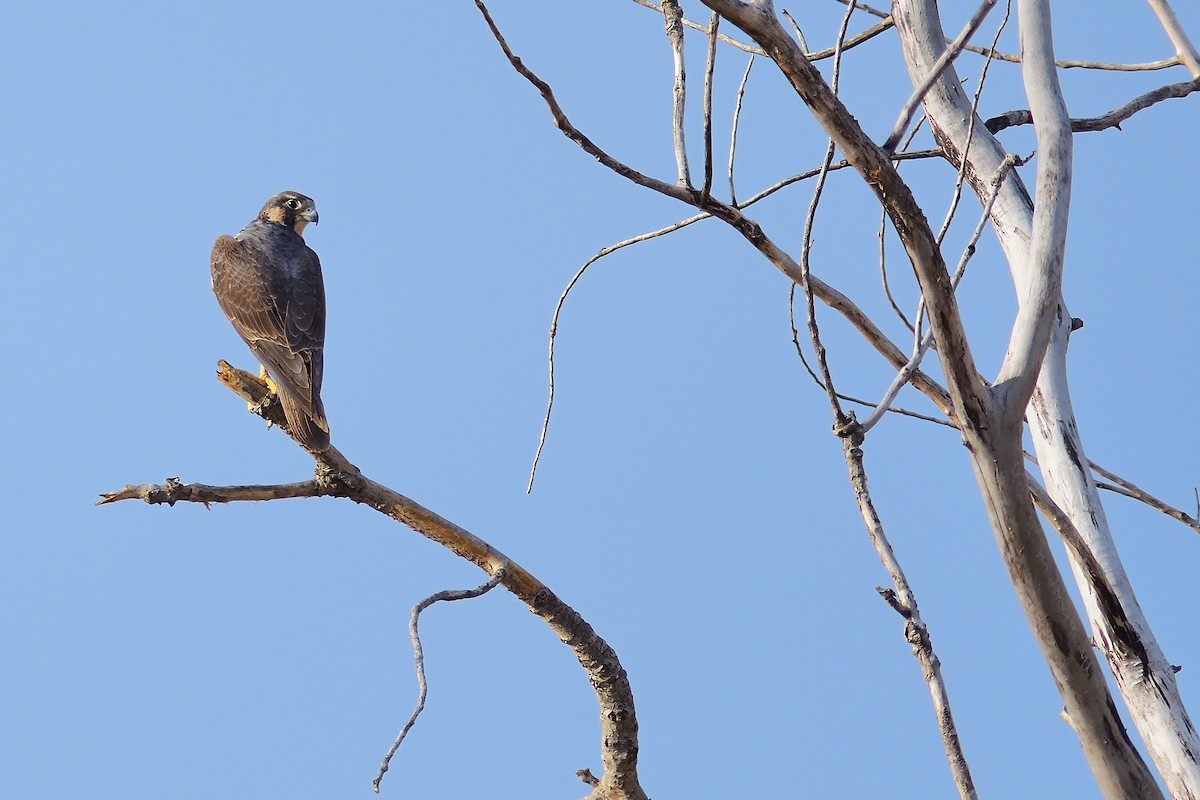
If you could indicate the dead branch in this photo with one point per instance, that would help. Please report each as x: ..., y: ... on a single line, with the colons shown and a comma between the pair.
x: 710, y: 64
x: 1112, y: 119
x: 851, y: 434
x: 1185, y: 51
x: 991, y: 52
x: 414, y: 636
x: 815, y: 55
x: 673, y: 19
x: 1155, y: 706
x: 733, y: 131
x: 336, y: 477
x: 810, y: 310
x: 902, y: 598
x: 947, y: 57
x: 1137, y: 493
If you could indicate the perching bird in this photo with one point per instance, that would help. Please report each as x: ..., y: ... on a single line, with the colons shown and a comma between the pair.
x: 268, y: 282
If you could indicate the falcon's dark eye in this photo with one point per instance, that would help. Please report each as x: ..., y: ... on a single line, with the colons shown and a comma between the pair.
x: 292, y: 203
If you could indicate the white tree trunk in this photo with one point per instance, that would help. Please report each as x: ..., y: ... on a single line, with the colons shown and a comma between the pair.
x: 1144, y: 676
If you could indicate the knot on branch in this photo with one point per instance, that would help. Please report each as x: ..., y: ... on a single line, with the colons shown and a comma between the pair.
x: 916, y: 634
x: 169, y: 492
x: 847, y: 427
x: 333, y: 480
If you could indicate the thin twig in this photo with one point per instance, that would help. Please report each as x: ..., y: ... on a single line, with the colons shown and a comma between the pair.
x: 964, y: 159
x: 891, y: 192
x: 1137, y: 493
x: 902, y: 598
x: 673, y: 19
x: 737, y: 114
x: 882, y: 234
x: 814, y: 331
x: 852, y: 42
x: 842, y: 395
x: 815, y: 55
x: 419, y: 656
x: 1112, y: 119
x: 1162, y: 63
x: 796, y: 29
x: 562, y: 298
x: 749, y: 48
x: 951, y: 53
x: 834, y: 167
x: 710, y: 64
x: 683, y: 223
x: 923, y: 342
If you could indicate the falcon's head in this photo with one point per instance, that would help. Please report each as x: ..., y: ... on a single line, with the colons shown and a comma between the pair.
x: 291, y: 209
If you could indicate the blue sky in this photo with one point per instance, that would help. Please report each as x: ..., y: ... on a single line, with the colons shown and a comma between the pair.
x: 691, y: 503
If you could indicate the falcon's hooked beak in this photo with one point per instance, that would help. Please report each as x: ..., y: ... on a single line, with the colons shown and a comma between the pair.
x: 303, y: 218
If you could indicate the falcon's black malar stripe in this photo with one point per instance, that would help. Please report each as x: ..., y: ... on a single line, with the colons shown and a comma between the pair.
x: 269, y: 284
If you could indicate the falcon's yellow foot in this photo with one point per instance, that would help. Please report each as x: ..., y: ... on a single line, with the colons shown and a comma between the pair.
x: 262, y: 373
x: 256, y: 408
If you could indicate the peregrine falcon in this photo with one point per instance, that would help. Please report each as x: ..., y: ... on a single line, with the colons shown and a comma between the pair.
x: 268, y: 282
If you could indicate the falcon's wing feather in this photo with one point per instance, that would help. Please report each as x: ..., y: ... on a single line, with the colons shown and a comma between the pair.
x: 244, y: 292
x: 305, y: 316
x: 290, y: 350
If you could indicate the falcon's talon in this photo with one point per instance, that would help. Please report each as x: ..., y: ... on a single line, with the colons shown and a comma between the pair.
x: 269, y: 284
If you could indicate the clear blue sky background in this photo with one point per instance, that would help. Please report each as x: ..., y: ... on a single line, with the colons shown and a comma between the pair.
x: 691, y: 503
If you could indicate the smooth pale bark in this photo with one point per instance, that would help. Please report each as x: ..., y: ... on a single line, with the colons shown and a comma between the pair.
x: 1143, y: 674
x: 990, y: 422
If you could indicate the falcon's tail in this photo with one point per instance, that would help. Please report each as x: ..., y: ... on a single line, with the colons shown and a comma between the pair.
x: 311, y: 433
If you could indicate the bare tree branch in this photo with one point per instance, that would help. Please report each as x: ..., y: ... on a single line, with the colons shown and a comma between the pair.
x: 992, y: 439
x: 172, y: 491
x: 710, y: 64
x: 814, y: 332
x: 873, y: 163
x: 951, y: 53
x: 1128, y: 489
x: 419, y: 656
x: 851, y: 434
x: 962, y: 168
x: 882, y: 234
x: 815, y: 55
x: 748, y: 48
x: 924, y: 342
x: 797, y: 29
x: 1155, y: 706
x: 1147, y: 66
x: 1184, y: 49
x: 1112, y: 119
x: 733, y: 132
x: 673, y: 16
x: 827, y: 294
x: 1052, y: 201
x: 996, y: 452
x: 336, y: 477
x: 902, y: 598
x: 1137, y: 493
